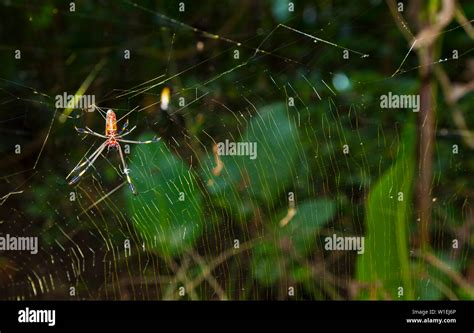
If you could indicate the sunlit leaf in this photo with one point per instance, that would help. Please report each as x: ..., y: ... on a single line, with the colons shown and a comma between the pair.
x: 384, y: 266
x: 278, y: 153
x: 167, y: 213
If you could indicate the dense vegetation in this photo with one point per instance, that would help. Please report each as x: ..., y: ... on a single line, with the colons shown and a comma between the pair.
x: 330, y: 160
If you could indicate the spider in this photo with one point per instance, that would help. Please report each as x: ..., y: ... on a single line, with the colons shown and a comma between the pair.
x: 113, y: 139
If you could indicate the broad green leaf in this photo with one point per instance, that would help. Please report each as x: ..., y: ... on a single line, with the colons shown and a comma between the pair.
x: 303, y: 228
x: 280, y: 164
x: 223, y: 186
x: 268, y: 260
x: 278, y: 152
x: 384, y: 266
x: 167, y: 212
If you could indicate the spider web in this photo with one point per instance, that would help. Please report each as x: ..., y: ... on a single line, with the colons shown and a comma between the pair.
x: 206, y: 226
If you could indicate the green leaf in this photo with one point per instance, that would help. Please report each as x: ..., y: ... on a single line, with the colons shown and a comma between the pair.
x: 269, y: 261
x: 278, y: 152
x: 168, y: 211
x: 280, y: 163
x: 385, y: 266
x: 303, y: 228
x: 266, y: 264
x: 222, y: 188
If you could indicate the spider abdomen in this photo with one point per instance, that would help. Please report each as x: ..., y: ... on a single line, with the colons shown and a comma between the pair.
x: 110, y: 124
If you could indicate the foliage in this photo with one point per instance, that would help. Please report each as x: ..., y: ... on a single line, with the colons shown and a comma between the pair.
x: 232, y: 227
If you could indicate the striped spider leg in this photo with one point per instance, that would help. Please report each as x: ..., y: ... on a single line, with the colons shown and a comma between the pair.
x: 126, y: 170
x: 89, y: 161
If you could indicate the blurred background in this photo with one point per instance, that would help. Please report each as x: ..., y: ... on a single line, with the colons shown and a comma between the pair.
x: 302, y: 80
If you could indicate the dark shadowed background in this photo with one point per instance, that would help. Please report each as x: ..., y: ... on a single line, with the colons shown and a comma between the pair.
x: 303, y: 81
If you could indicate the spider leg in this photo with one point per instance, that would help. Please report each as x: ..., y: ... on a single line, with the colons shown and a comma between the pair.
x: 102, y: 112
x: 122, y: 134
x: 93, y: 107
x: 126, y: 171
x: 87, y: 130
x: 96, y: 155
x: 88, y: 159
x: 155, y: 139
x: 125, y: 125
